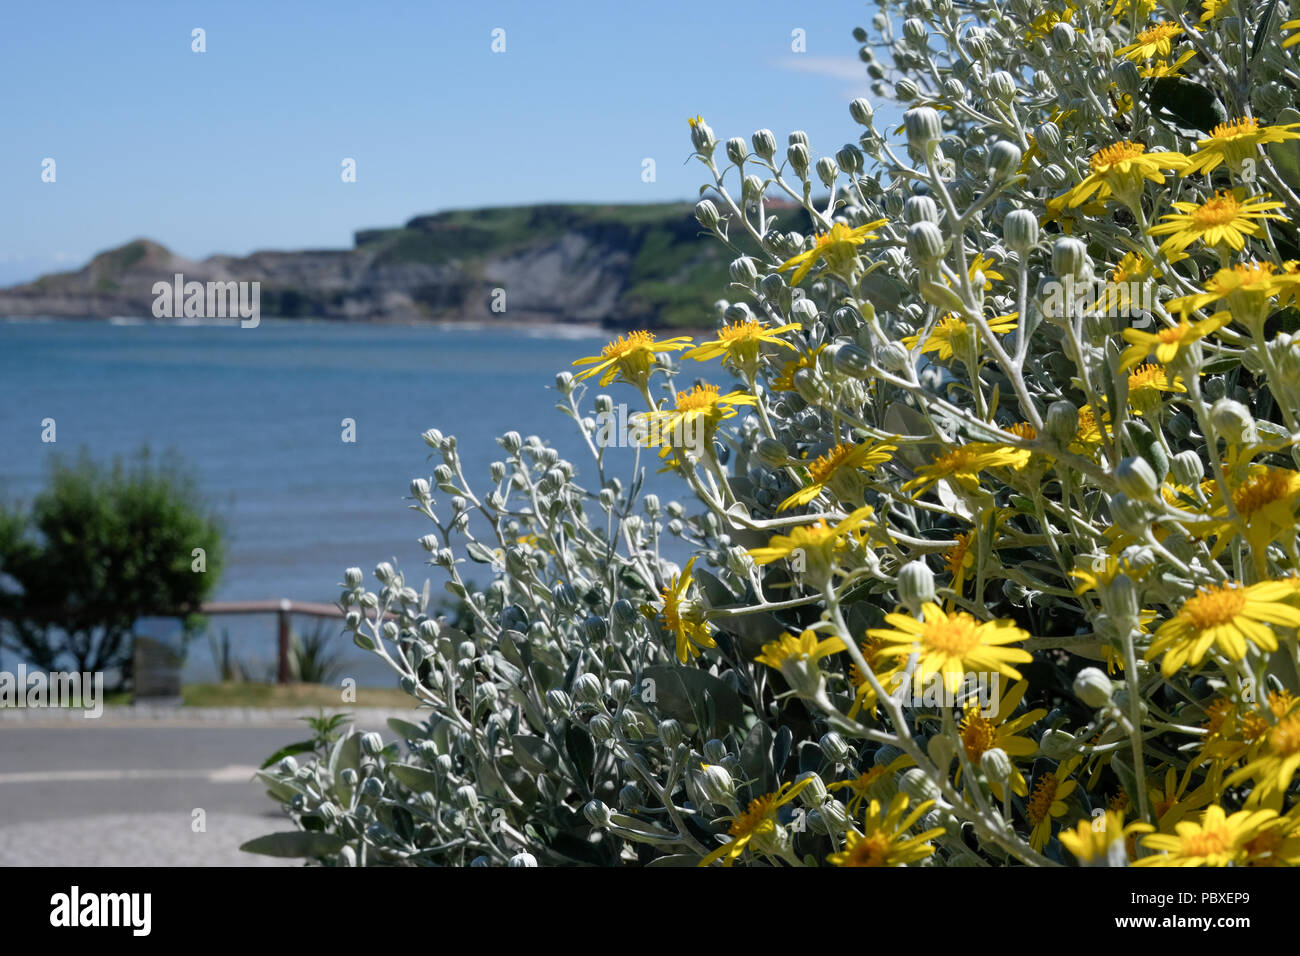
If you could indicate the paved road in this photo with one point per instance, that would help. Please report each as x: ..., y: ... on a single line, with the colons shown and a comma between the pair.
x: 92, y: 794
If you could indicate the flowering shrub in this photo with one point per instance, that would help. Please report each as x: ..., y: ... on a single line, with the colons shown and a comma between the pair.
x: 993, y: 541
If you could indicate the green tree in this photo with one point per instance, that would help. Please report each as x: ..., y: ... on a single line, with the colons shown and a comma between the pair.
x: 100, y: 548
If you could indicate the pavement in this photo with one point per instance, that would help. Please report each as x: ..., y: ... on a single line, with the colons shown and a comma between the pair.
x: 138, y: 787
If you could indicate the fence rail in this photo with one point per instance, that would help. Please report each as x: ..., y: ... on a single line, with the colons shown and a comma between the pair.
x: 284, y: 609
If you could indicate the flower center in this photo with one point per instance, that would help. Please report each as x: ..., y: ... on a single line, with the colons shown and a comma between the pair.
x: 626, y: 344
x: 1248, y: 126
x: 955, y: 558
x: 1260, y: 490
x: 703, y: 398
x: 1040, y: 804
x: 1208, y: 842
x: 1108, y: 156
x: 1219, y: 211
x: 1146, y: 377
x: 1161, y: 31
x: 1214, y: 605
x: 1284, y: 739
x: 741, y: 332
x: 823, y: 467
x: 1172, y: 335
x: 871, y: 850
x: 953, y: 635
x: 978, y: 734
x: 760, y: 809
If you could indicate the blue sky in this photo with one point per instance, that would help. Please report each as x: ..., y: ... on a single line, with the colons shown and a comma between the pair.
x: 240, y: 148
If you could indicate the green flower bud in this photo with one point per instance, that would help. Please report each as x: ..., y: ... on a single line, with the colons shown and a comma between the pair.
x: 1004, y: 159
x: 587, y: 689
x: 814, y: 792
x: 597, y: 814
x: 920, y: 209
x: 915, y: 32
x: 707, y: 214
x: 1069, y: 258
x: 1057, y: 744
x: 1126, y: 77
x: 905, y: 91
x: 1233, y: 421
x: 827, y: 171
x: 670, y: 733
x: 916, y: 585
x: 522, y: 859
x: 715, y: 784
x: 1122, y: 601
x: 1093, y: 687
x: 923, y: 125
x: 1137, y: 479
x: 834, y: 748
x: 1062, y: 37
x: 736, y: 151
x: 372, y: 744
x: 1003, y: 86
x: 1187, y: 468
x: 772, y: 453
x: 764, y: 143
x: 1047, y: 135
x: 797, y: 154
x: 601, y: 727
x: 996, y: 765
x: 925, y: 243
x: 559, y: 702
x: 851, y: 360
x: 1020, y: 230
x: 849, y: 158
x: 1130, y: 515
x: 862, y: 112
x: 715, y: 751
x: 941, y: 749
x: 743, y: 271
x: 352, y: 576
x: 702, y: 137
x: 918, y: 786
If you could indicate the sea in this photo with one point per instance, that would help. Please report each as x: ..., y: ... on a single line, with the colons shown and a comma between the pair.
x: 260, y: 415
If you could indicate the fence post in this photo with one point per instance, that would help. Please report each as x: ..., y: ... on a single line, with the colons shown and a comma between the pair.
x: 283, y: 616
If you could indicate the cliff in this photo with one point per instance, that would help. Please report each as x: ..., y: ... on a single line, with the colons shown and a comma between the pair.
x: 622, y: 266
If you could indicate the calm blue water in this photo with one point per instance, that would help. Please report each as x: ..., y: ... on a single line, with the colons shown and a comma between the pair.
x: 255, y: 414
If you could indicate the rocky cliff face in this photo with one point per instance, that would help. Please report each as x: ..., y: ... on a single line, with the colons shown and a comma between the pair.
x: 620, y: 265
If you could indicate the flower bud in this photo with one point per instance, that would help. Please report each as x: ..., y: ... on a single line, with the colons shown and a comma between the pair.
x: 1069, y: 258
x: 772, y: 453
x: 702, y: 137
x: 1130, y: 515
x: 797, y: 154
x: 1232, y: 420
x: 834, y: 748
x: 852, y: 361
x: 352, y: 576
x: 1187, y: 468
x: 1122, y: 601
x: 920, y: 209
x: 827, y: 171
x: 996, y: 765
x: 597, y: 814
x: 522, y: 859
x: 706, y: 213
x: 1056, y: 744
x: 764, y: 143
x: 1126, y: 77
x: 715, y: 751
x: 601, y: 727
x: 372, y: 744
x: 917, y: 785
x: 1020, y: 230
x: 1062, y: 421
x: 862, y: 111
x: 916, y: 585
x: 587, y: 689
x: 849, y: 158
x: 1062, y: 37
x: 925, y: 243
x: 670, y: 734
x: 736, y: 151
x: 905, y: 91
x: 1002, y: 85
x: 1137, y: 479
x: 1093, y: 687
x: 924, y: 127
x: 715, y: 784
x: 915, y: 31
x: 1004, y: 159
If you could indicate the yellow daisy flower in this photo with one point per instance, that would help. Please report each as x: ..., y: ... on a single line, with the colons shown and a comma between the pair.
x: 701, y: 408
x: 964, y: 463
x: 1154, y: 41
x: 683, y: 617
x: 1151, y: 379
x: 796, y: 657
x: 1217, y: 840
x: 1051, y: 790
x: 1247, y: 286
x: 884, y: 841
x: 1233, y: 142
x: 630, y: 358
x: 1274, y: 766
x: 1105, y: 844
x: 952, y: 333
x: 1120, y: 170
x: 1265, y: 503
x: 1164, y: 69
x: 1168, y: 342
x: 886, y: 674
x: 1277, y: 844
x: 860, y: 786
x: 1225, y: 617
x: 807, y: 542
x: 838, y: 248
x: 1227, y: 219
x: 953, y: 644
x: 959, y: 559
x: 840, y: 458
x: 1292, y: 40
x: 758, y: 820
x: 740, y: 343
x: 980, y: 734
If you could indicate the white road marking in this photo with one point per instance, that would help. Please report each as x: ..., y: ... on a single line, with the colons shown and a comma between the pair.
x: 232, y: 773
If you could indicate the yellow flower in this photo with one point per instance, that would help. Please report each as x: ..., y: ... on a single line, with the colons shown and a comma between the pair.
x: 1265, y: 503
x: 785, y: 381
x: 1166, y: 343
x: 1212, y: 8
x: 951, y: 333
x: 682, y: 617
x: 838, y: 248
x: 1234, y: 142
x: 1142, y: 8
x: 980, y: 734
x: 1102, y: 841
x: 701, y: 408
x: 958, y: 559
x: 1293, y: 40
x: 861, y: 785
x: 740, y: 343
x: 981, y: 263
x: 1277, y: 844
x: 758, y: 820
x: 809, y: 542
x: 953, y: 644
x: 1147, y: 382
x: 796, y: 657
x: 1168, y: 804
x: 1164, y: 69
x: 1225, y: 617
x: 885, y: 841
x: 1274, y: 766
x: 1217, y: 840
x: 1120, y: 170
x: 1050, y: 792
x: 1246, y: 286
x: 886, y: 675
x: 1041, y: 28
x: 630, y: 358
x: 840, y: 458
x: 1152, y: 42
x: 1226, y: 219
x: 964, y: 463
